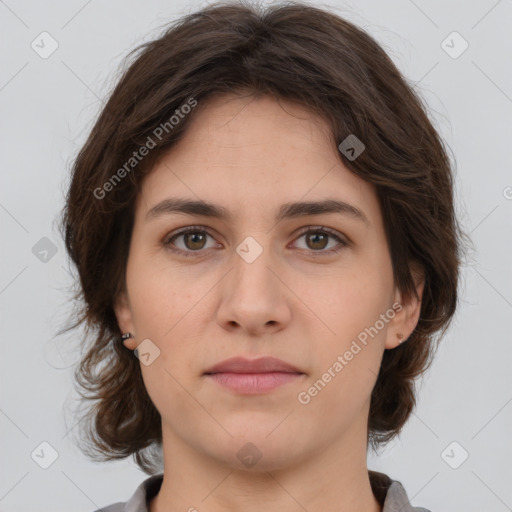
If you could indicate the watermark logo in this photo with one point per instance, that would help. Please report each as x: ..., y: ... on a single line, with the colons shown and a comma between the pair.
x: 454, y: 455
x: 147, y: 352
x: 44, y: 45
x: 44, y: 455
x: 44, y: 250
x: 249, y: 249
x: 351, y: 147
x: 249, y: 455
x: 454, y: 45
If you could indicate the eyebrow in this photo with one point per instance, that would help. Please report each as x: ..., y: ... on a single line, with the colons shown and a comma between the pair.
x: 286, y: 211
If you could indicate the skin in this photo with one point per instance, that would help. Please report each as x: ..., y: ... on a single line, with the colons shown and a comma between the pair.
x: 250, y: 155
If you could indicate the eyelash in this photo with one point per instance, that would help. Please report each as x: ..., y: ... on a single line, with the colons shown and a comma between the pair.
x: 199, y: 229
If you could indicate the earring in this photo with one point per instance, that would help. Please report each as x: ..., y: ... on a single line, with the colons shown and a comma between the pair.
x: 127, y: 335
x: 400, y: 336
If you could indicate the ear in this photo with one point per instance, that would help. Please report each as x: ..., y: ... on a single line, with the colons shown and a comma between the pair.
x: 123, y: 314
x: 408, y: 313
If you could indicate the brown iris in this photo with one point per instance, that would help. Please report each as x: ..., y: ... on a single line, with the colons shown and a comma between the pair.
x: 315, y: 237
x: 196, y: 238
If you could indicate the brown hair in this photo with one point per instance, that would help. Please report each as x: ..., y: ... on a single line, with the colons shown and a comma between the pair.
x: 292, y: 51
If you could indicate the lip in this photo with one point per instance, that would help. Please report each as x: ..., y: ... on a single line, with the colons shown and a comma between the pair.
x: 260, y: 366
x: 256, y: 376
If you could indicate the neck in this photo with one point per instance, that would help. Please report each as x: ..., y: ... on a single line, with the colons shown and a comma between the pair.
x: 334, y: 480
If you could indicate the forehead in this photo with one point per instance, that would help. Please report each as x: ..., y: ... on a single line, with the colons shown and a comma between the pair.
x: 253, y: 154
x: 248, y: 125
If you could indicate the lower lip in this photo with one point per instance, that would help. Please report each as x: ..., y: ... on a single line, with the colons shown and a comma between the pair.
x: 252, y: 383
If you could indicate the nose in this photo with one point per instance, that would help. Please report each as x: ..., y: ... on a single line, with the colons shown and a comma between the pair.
x: 254, y: 296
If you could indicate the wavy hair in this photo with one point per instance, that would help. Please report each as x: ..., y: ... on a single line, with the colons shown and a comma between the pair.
x: 292, y: 51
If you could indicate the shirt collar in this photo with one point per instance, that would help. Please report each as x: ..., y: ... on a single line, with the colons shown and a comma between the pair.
x: 390, y: 494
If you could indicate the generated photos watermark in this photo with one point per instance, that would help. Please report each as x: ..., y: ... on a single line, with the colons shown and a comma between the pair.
x: 138, y: 156
x: 304, y: 397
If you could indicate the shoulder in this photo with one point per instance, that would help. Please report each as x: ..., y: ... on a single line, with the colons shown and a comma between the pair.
x: 399, y: 500
x: 115, y: 507
x: 139, y: 499
x: 391, y: 494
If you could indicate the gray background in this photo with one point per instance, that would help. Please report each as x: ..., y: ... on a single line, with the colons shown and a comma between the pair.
x: 48, y: 106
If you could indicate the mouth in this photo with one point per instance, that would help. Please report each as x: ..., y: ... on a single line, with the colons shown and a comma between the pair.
x: 256, y: 376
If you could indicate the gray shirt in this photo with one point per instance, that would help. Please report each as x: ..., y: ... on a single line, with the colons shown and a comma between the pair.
x: 390, y: 494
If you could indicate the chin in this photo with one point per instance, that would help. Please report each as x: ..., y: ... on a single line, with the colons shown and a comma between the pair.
x: 256, y: 451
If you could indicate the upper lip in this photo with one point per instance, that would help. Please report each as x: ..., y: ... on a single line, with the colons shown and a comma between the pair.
x: 261, y: 365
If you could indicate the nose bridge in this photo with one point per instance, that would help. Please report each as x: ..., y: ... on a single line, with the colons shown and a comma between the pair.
x: 253, y: 256
x: 251, y: 296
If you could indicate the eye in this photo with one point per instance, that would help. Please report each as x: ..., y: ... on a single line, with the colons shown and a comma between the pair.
x: 317, y: 239
x: 193, y: 237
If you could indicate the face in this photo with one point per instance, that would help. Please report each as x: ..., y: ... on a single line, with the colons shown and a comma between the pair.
x: 254, y: 282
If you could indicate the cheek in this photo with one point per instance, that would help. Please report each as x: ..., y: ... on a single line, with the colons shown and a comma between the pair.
x: 355, y: 308
x: 166, y: 309
x: 348, y: 362
x: 352, y: 300
x: 158, y: 296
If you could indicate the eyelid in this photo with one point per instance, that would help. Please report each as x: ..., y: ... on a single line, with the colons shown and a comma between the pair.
x: 342, y: 240
x: 166, y: 242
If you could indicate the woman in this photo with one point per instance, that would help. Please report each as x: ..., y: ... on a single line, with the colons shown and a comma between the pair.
x: 262, y: 220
